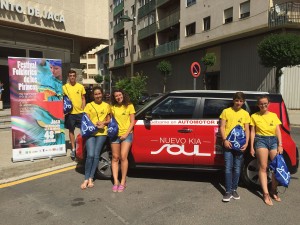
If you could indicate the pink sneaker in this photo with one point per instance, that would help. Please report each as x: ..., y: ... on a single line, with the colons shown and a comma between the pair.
x: 115, y: 188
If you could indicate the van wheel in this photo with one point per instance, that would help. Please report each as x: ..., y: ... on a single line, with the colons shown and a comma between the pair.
x: 104, y: 167
x: 250, y: 173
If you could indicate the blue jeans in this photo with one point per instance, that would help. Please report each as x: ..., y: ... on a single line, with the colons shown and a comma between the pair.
x: 94, y: 145
x: 233, y: 160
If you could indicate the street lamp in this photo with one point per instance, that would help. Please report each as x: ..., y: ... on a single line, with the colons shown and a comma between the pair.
x: 126, y: 18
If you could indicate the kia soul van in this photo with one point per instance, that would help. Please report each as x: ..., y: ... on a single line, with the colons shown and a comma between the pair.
x: 180, y: 131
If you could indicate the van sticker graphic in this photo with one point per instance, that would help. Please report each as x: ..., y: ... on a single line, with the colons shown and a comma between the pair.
x: 174, y: 149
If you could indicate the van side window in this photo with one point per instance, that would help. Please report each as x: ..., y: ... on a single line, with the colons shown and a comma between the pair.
x: 175, y: 108
x: 252, y: 106
x: 214, y: 107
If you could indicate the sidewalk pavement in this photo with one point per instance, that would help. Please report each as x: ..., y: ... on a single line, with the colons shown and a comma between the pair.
x: 294, y: 116
x: 10, y: 171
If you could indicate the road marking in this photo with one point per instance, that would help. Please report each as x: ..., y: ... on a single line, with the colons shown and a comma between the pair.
x: 120, y: 218
x: 36, y: 177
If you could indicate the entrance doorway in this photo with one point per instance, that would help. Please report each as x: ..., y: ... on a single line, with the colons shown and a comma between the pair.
x: 213, y: 81
x: 4, y: 78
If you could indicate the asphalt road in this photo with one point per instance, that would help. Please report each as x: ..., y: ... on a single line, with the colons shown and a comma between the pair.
x: 151, y: 198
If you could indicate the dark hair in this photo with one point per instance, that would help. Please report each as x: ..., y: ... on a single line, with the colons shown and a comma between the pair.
x: 239, y: 95
x: 72, y: 71
x: 126, y: 100
x: 261, y: 97
x: 97, y: 88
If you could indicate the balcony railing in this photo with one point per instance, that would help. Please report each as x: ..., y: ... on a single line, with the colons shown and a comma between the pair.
x: 147, y: 31
x: 119, y: 62
x: 145, y: 9
x: 118, y: 8
x: 286, y: 13
x: 168, y: 21
x: 147, y: 54
x: 161, y: 2
x: 167, y: 48
x: 119, y: 26
x: 119, y: 44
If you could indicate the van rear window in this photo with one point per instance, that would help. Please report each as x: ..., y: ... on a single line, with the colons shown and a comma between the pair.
x: 214, y: 107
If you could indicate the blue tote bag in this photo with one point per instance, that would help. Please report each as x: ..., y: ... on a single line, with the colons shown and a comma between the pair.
x: 112, y: 128
x: 237, y: 137
x: 279, y: 167
x: 87, y: 127
x: 68, y: 106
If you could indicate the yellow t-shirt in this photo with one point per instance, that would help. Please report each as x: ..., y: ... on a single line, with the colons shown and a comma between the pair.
x: 265, y: 125
x: 75, y: 94
x: 234, y: 118
x: 98, y: 112
x: 122, y: 116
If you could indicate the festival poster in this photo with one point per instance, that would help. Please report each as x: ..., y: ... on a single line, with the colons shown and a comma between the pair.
x: 36, y: 108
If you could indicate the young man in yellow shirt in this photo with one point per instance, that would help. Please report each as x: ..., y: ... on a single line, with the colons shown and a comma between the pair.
x: 230, y: 118
x: 76, y: 94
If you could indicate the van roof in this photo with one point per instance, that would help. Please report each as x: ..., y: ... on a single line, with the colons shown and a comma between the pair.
x: 218, y: 91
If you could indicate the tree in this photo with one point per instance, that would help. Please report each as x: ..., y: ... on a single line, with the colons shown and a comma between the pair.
x: 165, y: 69
x: 208, y: 60
x: 279, y: 50
x: 98, y: 78
x: 133, y: 86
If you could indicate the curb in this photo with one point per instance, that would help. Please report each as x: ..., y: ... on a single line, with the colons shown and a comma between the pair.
x: 21, y: 170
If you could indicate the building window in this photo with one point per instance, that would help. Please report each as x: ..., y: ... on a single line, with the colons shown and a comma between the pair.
x: 35, y: 54
x: 206, y: 23
x: 133, y: 10
x: 91, y: 66
x: 134, y: 49
x: 245, y: 9
x: 111, y: 24
x: 111, y: 41
x: 110, y: 8
x: 117, y: 2
x: 83, y: 65
x: 190, y: 2
x: 228, y: 15
x: 91, y: 56
x: 126, y: 52
x: 190, y: 29
x: 111, y: 57
x: 83, y: 56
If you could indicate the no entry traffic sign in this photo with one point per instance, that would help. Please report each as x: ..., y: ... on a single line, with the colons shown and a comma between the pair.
x: 195, y: 69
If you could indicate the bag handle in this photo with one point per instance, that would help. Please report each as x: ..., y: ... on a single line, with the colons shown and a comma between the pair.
x: 95, y: 110
x: 67, y: 91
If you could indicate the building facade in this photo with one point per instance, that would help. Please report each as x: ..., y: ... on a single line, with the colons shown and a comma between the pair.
x: 182, y: 32
x: 92, y: 65
x: 50, y: 29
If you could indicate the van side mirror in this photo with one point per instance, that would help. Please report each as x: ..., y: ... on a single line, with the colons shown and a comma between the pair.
x: 148, y: 115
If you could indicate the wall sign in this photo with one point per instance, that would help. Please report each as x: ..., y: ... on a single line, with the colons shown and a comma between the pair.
x: 31, y: 11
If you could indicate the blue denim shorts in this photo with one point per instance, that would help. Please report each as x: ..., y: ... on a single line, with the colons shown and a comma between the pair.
x: 268, y: 142
x: 117, y: 140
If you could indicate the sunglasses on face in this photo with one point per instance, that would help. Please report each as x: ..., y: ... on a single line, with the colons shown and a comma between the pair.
x: 263, y: 104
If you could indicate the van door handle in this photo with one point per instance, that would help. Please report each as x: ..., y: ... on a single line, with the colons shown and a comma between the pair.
x: 185, y: 131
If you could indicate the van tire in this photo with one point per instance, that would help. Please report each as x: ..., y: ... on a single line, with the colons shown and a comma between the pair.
x: 249, y: 173
x: 103, y: 170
